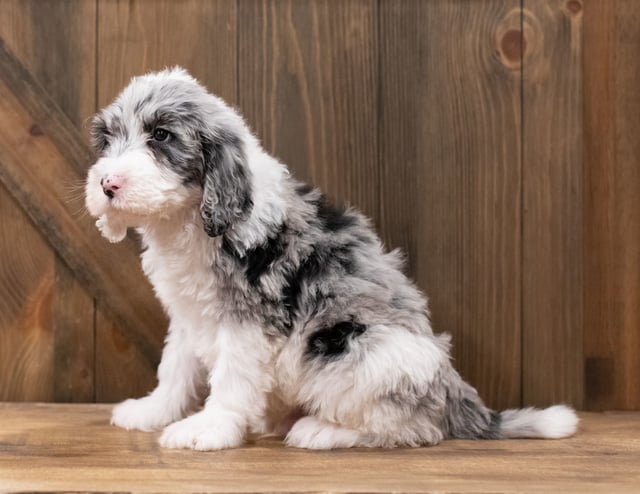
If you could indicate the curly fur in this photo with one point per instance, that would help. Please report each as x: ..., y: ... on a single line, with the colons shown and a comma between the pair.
x: 286, y: 312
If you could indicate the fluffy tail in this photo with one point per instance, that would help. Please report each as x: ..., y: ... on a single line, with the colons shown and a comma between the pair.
x: 550, y: 423
x: 467, y: 417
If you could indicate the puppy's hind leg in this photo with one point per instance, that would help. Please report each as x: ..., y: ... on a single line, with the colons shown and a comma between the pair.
x: 314, y: 433
x: 180, y: 378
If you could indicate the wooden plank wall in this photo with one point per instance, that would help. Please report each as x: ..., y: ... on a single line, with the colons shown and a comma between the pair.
x: 552, y: 140
x: 493, y: 141
x: 612, y: 205
x: 56, y: 42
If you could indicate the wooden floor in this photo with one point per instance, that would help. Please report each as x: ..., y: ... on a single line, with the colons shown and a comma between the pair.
x: 72, y: 448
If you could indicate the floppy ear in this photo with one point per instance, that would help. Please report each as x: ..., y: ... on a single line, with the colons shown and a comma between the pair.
x: 226, y: 197
x: 99, y: 133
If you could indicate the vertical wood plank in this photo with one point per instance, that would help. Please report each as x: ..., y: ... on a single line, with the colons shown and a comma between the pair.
x: 450, y: 157
x: 552, y: 203
x: 26, y: 327
x: 308, y: 87
x: 138, y: 37
x: 74, y: 346
x: 120, y: 370
x: 56, y: 42
x: 135, y: 38
x: 612, y: 204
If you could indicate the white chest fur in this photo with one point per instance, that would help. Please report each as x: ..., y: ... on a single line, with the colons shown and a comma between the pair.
x: 178, y: 262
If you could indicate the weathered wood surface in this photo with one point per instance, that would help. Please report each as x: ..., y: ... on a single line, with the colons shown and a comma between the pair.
x: 612, y: 204
x: 552, y: 262
x: 137, y: 37
x: 121, y: 371
x: 44, y: 37
x: 26, y: 329
x: 494, y: 142
x: 71, y: 448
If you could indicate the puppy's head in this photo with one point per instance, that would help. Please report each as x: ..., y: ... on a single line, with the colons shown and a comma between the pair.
x: 165, y: 144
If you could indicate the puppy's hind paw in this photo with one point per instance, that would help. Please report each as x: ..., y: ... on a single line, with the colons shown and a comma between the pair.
x: 312, y: 433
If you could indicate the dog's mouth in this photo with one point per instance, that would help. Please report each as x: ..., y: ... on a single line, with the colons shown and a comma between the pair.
x: 99, y: 203
x: 115, y: 205
x: 106, y: 197
x: 110, y: 209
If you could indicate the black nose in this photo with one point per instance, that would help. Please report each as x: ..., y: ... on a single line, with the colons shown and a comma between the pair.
x: 108, y: 192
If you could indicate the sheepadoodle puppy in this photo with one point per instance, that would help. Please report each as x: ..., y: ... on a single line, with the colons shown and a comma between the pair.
x: 287, y: 315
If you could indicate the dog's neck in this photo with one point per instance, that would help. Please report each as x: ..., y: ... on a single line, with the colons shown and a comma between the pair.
x: 271, y: 186
x: 183, y: 226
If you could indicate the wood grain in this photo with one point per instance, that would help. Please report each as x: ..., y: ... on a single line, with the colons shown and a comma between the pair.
x: 72, y: 448
x: 612, y: 204
x: 138, y: 37
x: 450, y: 158
x: 26, y: 327
x: 56, y: 42
x: 73, y: 316
x: 308, y: 86
x: 34, y: 131
x: 552, y: 239
x: 121, y: 372
x: 63, y: 60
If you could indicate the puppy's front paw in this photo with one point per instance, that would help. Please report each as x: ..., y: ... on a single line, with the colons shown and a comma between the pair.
x: 204, y: 431
x: 145, y: 414
x: 113, y: 230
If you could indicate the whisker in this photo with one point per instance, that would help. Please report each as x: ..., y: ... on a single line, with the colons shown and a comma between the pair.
x: 74, y: 195
x: 77, y: 186
x: 80, y: 214
x: 74, y: 192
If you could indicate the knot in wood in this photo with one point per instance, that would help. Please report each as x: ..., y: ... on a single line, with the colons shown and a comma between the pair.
x: 512, y: 46
x: 574, y: 6
x: 35, y: 130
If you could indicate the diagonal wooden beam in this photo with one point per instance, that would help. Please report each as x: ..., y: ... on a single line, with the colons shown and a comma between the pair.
x: 43, y: 162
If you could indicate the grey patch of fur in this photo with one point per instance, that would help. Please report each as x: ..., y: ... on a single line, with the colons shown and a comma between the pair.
x: 226, y: 195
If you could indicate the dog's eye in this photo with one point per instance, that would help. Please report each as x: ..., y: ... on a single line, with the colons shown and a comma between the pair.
x: 160, y: 134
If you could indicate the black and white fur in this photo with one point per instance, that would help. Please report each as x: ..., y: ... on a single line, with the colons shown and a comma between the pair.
x: 285, y: 311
